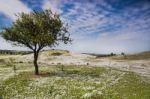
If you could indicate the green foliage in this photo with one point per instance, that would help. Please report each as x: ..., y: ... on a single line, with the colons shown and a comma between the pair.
x: 37, y: 30
x: 12, y: 87
x: 75, y: 82
x: 131, y: 87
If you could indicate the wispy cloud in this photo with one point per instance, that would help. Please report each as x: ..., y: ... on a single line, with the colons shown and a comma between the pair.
x: 126, y: 29
x: 12, y: 7
x: 54, y: 5
x: 96, y: 25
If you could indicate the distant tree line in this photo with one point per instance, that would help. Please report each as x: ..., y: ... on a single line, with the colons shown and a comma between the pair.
x: 101, y: 55
x: 14, y: 52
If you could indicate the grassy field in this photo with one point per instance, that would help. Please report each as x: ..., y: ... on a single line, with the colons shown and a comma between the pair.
x: 70, y: 82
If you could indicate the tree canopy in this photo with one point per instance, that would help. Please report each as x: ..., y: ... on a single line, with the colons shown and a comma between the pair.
x: 37, y: 30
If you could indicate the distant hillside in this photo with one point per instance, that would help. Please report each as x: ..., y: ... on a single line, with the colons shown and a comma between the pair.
x: 137, y: 56
x: 100, y: 55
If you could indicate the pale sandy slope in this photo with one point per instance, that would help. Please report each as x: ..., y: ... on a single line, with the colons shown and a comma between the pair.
x: 141, y: 67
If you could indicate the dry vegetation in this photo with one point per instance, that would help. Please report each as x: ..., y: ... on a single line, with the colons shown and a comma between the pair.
x: 101, y: 78
x: 138, y: 56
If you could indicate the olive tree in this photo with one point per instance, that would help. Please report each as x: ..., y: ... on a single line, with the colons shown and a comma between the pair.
x: 37, y: 30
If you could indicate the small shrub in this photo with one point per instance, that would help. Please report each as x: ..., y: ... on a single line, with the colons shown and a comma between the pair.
x: 20, y: 61
x: 29, y: 62
x: 122, y: 53
x: 112, y: 54
x: 56, y: 54
x: 2, y: 60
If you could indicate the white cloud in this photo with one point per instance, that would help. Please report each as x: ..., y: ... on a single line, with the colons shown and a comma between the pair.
x: 12, y: 7
x: 4, y: 45
x: 86, y: 20
x: 128, y: 37
x: 54, y: 5
x: 107, y: 43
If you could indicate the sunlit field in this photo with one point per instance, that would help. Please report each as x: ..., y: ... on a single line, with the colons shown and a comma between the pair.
x: 74, y: 49
x: 70, y: 82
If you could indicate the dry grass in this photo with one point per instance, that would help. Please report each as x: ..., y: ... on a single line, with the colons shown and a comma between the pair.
x: 139, y: 56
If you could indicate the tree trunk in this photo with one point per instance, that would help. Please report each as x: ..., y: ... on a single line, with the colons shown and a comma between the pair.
x: 35, y: 63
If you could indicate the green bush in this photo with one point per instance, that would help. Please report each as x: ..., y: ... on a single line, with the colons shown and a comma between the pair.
x: 56, y: 54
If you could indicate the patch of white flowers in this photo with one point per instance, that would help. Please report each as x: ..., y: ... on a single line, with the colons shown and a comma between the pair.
x: 63, y: 85
x: 6, y: 73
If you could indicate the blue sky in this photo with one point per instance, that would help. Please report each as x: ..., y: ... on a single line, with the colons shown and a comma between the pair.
x: 96, y: 26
